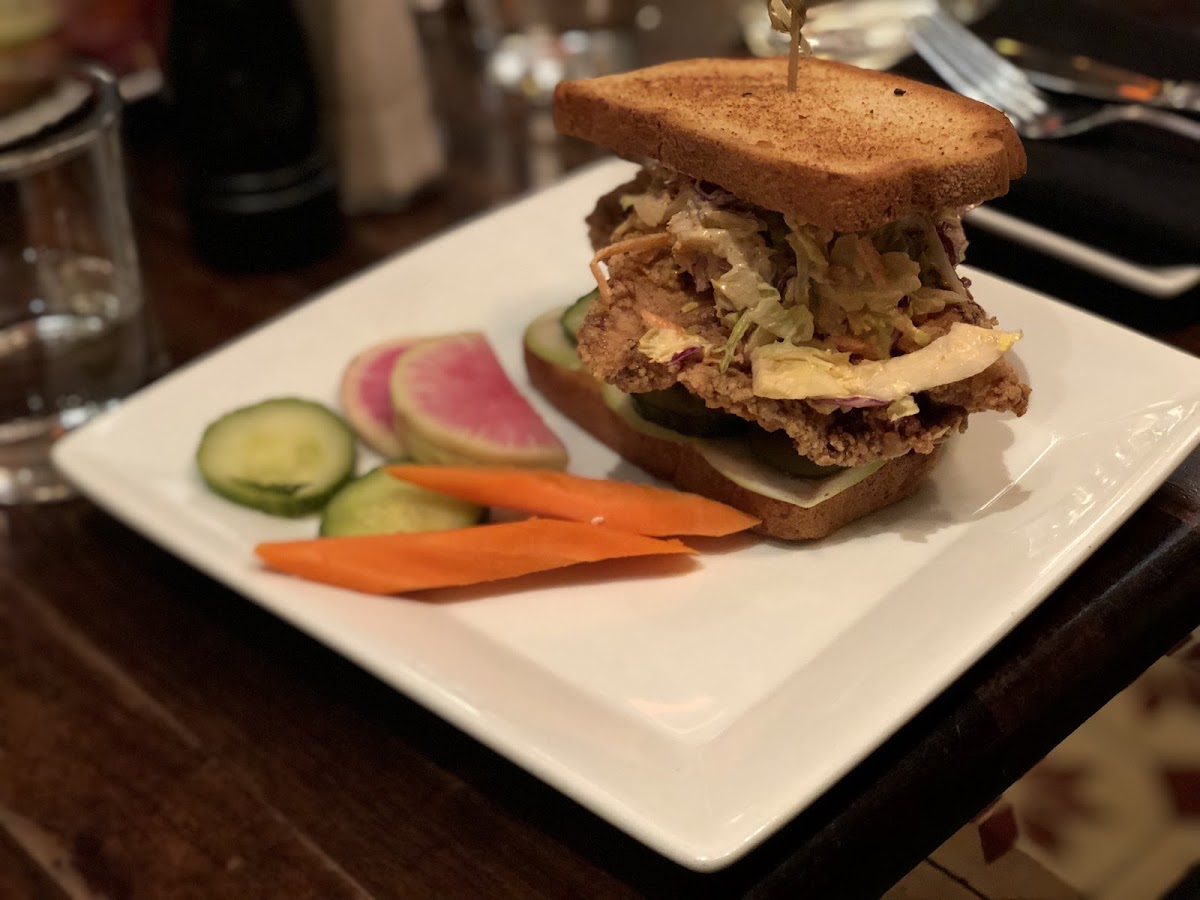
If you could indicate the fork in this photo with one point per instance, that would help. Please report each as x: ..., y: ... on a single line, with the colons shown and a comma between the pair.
x: 975, y: 70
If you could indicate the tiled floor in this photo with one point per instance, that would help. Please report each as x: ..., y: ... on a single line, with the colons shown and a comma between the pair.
x: 1115, y: 808
x: 1112, y: 813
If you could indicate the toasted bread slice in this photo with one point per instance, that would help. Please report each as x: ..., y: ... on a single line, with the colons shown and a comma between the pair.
x: 577, y: 395
x: 850, y: 150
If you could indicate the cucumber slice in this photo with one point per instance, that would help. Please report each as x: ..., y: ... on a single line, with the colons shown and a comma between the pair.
x: 573, y: 318
x: 284, y: 457
x: 377, y: 503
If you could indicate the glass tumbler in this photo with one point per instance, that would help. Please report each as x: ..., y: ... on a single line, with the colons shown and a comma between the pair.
x: 74, y: 337
x: 531, y: 45
x: 867, y: 33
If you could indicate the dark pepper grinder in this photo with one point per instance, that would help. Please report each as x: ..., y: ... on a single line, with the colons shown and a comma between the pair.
x: 260, y: 191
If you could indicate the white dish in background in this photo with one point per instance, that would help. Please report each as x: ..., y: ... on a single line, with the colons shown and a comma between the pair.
x: 701, y: 710
x: 1163, y: 282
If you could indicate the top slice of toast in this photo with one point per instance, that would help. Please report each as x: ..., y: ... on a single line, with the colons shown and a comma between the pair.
x: 851, y: 149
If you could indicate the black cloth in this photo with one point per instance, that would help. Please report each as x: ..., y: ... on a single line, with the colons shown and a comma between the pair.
x: 1128, y: 189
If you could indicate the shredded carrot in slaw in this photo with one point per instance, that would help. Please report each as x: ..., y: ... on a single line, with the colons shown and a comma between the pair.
x: 632, y: 245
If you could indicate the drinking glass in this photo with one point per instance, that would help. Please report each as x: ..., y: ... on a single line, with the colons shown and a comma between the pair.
x: 74, y: 337
x: 531, y: 45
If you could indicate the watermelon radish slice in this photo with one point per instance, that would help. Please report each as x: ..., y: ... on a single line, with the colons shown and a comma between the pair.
x: 366, y: 400
x: 458, y: 407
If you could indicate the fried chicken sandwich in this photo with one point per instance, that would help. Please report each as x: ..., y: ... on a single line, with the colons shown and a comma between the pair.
x: 778, y: 321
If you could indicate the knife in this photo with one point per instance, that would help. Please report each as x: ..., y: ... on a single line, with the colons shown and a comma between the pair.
x: 1085, y: 77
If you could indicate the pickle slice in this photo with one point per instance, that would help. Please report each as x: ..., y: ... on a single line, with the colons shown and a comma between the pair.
x: 777, y: 450
x: 572, y: 318
x: 680, y: 410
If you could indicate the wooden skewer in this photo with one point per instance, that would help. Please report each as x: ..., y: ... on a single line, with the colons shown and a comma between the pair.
x: 794, y: 51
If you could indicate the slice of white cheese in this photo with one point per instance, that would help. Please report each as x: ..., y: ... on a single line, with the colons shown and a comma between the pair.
x: 738, y: 462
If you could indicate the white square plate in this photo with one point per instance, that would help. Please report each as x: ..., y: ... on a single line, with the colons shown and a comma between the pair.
x: 698, y: 711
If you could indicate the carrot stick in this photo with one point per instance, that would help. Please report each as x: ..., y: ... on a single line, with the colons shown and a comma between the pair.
x: 398, y: 563
x: 640, y: 508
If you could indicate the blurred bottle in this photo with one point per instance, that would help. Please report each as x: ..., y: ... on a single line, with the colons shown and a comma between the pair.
x: 259, y: 188
x: 379, y: 112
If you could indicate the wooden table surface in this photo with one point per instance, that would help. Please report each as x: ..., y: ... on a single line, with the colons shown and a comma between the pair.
x: 161, y: 736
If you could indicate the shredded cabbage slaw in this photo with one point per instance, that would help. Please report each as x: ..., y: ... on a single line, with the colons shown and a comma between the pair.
x: 781, y: 285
